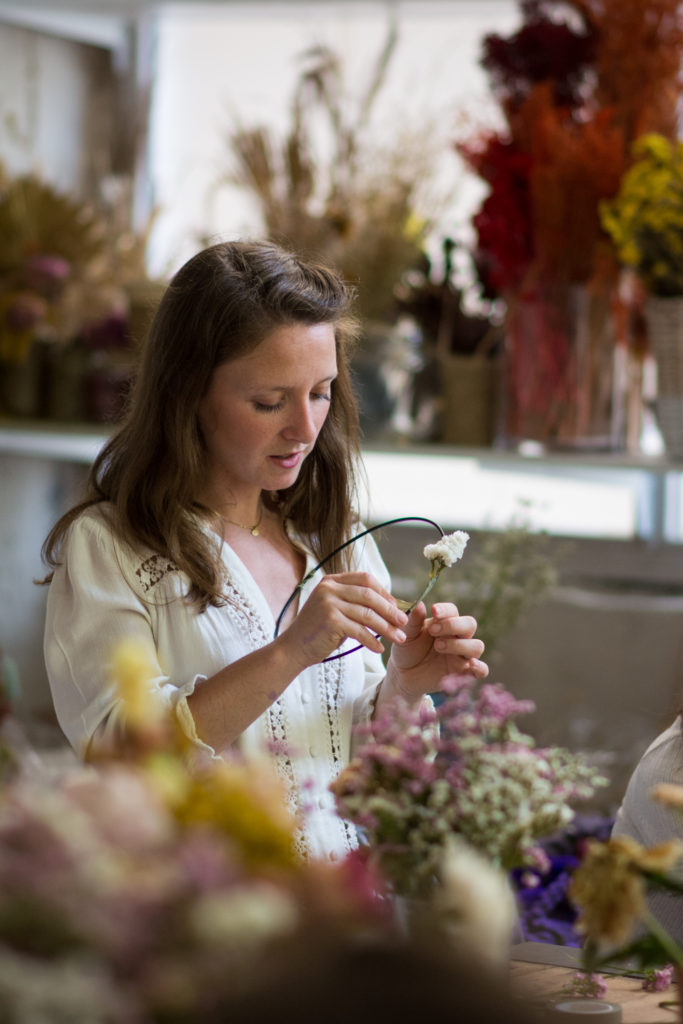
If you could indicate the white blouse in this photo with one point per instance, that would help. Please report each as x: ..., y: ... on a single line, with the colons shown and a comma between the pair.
x: 104, y: 592
x: 650, y: 823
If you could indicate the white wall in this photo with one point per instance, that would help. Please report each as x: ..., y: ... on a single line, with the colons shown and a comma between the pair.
x: 216, y: 64
x: 44, y: 87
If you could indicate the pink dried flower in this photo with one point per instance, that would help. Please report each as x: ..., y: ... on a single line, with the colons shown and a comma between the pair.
x: 412, y: 786
x: 658, y: 978
x: 587, y: 986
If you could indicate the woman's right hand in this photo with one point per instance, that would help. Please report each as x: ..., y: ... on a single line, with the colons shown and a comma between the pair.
x: 349, y: 605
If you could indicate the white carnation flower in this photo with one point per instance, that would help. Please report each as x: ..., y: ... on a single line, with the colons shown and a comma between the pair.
x: 449, y: 549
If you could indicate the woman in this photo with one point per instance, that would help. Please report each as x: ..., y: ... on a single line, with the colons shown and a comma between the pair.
x: 650, y: 823
x: 229, y: 479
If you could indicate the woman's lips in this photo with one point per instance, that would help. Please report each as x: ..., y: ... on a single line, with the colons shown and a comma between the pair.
x: 288, y: 461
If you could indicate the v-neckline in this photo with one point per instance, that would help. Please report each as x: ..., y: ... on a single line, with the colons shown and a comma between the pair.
x: 250, y: 585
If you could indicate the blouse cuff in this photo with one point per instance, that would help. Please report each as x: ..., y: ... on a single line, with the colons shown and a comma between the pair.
x: 365, y: 706
x: 186, y: 719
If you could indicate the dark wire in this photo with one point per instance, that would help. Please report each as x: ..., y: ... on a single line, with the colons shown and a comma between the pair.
x: 352, y: 540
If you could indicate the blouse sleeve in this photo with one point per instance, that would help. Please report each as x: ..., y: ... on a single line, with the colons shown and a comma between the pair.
x: 92, y: 607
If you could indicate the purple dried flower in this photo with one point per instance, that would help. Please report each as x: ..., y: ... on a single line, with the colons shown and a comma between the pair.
x: 543, y: 49
x: 108, y: 333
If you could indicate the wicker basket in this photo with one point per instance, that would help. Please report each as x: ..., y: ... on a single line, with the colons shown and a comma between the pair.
x: 665, y: 329
x: 469, y: 393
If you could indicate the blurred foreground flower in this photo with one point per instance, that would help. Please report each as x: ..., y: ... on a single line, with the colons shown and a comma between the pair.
x: 609, y: 889
x: 670, y: 794
x: 609, y: 886
x: 475, y: 904
x: 150, y: 887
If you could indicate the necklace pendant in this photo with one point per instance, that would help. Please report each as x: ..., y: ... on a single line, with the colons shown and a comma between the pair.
x: 254, y: 531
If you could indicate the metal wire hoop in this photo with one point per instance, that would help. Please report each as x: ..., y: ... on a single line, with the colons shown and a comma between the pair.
x: 352, y: 540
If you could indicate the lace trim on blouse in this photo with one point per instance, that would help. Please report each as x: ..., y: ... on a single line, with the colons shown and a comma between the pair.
x: 276, y: 720
x: 331, y: 676
x: 152, y: 571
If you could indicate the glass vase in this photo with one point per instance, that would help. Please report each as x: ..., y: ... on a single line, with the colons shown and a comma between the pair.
x: 562, y: 387
x: 664, y: 317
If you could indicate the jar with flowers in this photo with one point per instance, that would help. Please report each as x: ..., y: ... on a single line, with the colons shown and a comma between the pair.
x: 572, y: 105
x: 68, y: 275
x: 645, y: 221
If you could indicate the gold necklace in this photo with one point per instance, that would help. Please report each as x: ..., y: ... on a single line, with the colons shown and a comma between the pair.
x: 253, y: 530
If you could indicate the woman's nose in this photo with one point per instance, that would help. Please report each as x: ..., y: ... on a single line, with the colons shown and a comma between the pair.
x: 303, y: 425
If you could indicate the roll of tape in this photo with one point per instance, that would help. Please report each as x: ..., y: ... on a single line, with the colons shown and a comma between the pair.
x: 583, y: 1011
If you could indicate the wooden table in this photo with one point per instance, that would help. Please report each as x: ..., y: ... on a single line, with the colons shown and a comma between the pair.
x: 540, y: 971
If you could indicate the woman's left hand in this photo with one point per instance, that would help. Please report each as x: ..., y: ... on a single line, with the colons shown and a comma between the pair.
x: 443, y: 644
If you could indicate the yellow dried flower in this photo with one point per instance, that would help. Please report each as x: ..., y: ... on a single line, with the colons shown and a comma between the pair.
x: 247, y: 803
x: 644, y: 220
x: 669, y: 794
x: 132, y: 669
x: 609, y: 887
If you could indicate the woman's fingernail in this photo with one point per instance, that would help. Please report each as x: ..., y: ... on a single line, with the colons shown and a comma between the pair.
x: 400, y: 636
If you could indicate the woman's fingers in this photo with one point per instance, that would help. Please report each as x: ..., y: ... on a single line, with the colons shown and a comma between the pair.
x: 478, y: 668
x: 454, y: 634
x: 364, y: 603
x: 351, y: 606
x: 467, y: 649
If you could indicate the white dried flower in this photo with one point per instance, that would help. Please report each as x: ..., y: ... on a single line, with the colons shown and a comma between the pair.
x: 246, y: 916
x: 476, y: 902
x: 449, y: 549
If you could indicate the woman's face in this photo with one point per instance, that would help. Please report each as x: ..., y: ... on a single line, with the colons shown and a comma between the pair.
x: 262, y: 412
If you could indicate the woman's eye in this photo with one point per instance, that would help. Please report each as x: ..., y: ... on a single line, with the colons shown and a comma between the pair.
x: 321, y: 396
x: 264, y: 407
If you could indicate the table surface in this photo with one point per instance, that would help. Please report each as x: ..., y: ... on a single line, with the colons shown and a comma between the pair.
x: 541, y: 981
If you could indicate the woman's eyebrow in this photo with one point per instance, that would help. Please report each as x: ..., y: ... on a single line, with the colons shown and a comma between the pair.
x: 288, y: 387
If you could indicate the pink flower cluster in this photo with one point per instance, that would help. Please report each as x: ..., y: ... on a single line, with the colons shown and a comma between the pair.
x: 462, y: 768
x: 657, y: 979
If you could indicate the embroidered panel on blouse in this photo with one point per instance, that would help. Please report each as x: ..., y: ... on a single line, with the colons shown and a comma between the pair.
x: 331, y: 682
x: 152, y: 571
x: 275, y: 717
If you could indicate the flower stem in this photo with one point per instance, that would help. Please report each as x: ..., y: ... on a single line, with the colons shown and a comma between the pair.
x: 670, y: 947
x: 436, y: 568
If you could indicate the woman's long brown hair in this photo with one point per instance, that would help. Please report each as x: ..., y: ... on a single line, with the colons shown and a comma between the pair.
x: 220, y: 305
